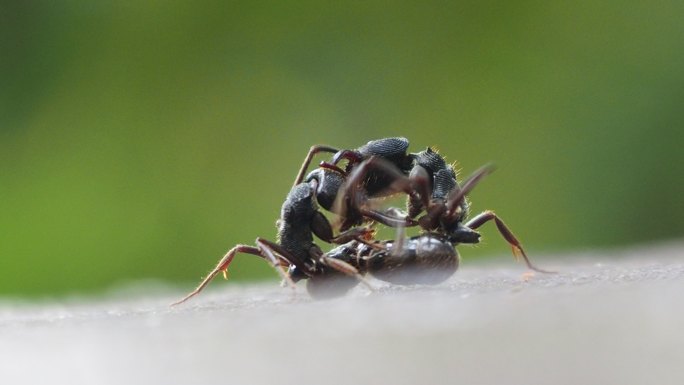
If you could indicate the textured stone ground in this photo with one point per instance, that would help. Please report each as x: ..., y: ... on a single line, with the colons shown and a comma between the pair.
x: 613, y: 317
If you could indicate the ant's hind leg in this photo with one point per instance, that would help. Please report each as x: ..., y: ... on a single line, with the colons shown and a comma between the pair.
x: 222, y: 266
x: 505, y: 232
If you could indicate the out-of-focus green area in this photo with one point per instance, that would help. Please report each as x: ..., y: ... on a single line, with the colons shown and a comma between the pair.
x: 144, y: 139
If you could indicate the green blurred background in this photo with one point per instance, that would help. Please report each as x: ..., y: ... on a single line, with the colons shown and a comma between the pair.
x: 143, y: 139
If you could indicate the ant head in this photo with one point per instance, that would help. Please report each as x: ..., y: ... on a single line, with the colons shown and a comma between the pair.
x: 328, y: 183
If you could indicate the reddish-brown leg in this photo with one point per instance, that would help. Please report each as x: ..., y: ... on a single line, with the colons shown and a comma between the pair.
x: 333, y: 167
x: 353, y: 194
x: 222, y: 266
x: 305, y: 165
x: 458, y: 194
x: 269, y: 250
x: 518, y: 251
x: 276, y: 249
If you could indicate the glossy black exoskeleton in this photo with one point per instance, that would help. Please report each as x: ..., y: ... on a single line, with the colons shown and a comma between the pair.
x: 428, y: 259
x: 392, y: 150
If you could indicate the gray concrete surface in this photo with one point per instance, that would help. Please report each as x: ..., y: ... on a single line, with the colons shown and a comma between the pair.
x: 614, y: 317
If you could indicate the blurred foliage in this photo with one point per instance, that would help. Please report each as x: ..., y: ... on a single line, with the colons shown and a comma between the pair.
x: 143, y: 139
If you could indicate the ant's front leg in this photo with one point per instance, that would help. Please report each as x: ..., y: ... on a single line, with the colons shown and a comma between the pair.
x: 387, y: 219
x: 457, y: 195
x: 305, y: 165
x: 353, y: 195
x: 505, y: 232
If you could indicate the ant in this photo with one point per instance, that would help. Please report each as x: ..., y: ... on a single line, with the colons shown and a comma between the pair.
x: 383, y: 166
x: 429, y: 258
x: 432, y: 179
x: 446, y: 209
x: 299, y: 220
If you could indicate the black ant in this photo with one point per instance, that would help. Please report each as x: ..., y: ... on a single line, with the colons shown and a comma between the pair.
x: 383, y: 166
x: 429, y: 258
x: 432, y: 179
x: 446, y: 209
x: 299, y: 220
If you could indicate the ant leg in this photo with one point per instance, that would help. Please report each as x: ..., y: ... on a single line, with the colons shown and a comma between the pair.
x: 267, y: 250
x: 322, y: 228
x: 387, y: 220
x: 331, y: 166
x: 350, y: 155
x: 360, y: 234
x: 346, y: 268
x: 518, y: 251
x: 363, y: 235
x: 458, y: 194
x: 338, y: 265
x: 305, y: 165
x: 349, y: 190
x: 399, y: 242
x: 421, y: 182
x: 416, y: 186
x: 349, y: 194
x: 222, y: 266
